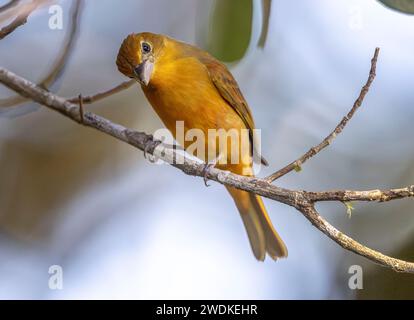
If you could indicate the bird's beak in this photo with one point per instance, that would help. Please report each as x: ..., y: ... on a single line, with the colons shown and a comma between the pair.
x: 143, y: 72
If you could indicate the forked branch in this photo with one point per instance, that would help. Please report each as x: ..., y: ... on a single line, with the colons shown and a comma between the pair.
x: 303, y: 201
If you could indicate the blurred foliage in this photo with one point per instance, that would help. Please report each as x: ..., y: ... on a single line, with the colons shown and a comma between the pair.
x: 405, y: 6
x: 382, y: 283
x: 266, y: 9
x: 230, y: 29
x: 40, y: 178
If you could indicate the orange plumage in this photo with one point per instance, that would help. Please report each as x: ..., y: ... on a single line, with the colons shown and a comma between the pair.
x: 185, y: 83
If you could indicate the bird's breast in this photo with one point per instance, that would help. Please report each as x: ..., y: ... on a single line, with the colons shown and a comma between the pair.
x: 182, y: 91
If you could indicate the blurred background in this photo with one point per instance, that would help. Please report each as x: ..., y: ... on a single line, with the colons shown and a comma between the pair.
x: 121, y: 227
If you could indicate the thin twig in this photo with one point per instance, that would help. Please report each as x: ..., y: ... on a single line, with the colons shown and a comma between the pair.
x: 369, y: 195
x: 303, y: 201
x: 297, y: 164
x: 21, y: 18
x: 60, y: 62
x: 105, y: 94
x: 9, y: 5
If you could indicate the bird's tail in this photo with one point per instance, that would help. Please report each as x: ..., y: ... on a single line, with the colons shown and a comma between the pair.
x: 262, y: 235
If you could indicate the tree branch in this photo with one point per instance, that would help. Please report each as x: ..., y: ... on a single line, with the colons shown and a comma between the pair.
x: 303, y: 201
x: 370, y: 195
x: 350, y: 244
x: 20, y: 20
x: 295, y: 165
x: 22, y: 16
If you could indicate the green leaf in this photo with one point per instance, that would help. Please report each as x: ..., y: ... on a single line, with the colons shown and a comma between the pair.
x: 230, y: 29
x: 297, y: 168
x: 349, y: 208
x: 405, y: 6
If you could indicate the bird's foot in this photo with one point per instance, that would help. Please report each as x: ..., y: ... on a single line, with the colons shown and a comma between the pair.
x: 206, y: 170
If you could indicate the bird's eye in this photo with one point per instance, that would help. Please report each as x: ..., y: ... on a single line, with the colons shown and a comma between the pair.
x: 146, y: 48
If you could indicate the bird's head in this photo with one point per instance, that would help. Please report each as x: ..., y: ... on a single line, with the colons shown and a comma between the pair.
x: 138, y: 54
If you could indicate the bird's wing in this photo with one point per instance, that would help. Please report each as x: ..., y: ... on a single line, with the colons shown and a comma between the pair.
x: 230, y: 91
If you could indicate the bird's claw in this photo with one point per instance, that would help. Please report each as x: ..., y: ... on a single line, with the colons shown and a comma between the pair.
x: 206, y: 170
x: 151, y: 146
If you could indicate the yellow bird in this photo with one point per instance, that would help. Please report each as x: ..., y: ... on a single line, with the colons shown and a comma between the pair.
x: 185, y: 83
